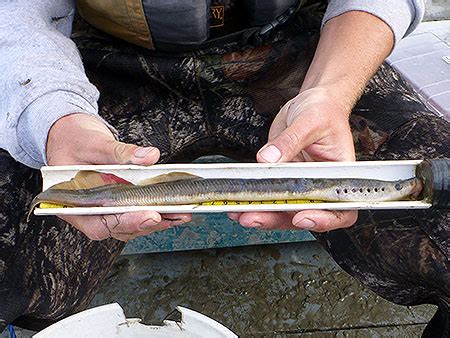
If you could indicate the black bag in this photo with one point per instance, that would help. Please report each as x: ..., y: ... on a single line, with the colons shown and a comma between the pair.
x: 174, y: 25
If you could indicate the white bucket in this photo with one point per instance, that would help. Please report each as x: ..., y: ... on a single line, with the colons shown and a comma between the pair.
x: 109, y: 321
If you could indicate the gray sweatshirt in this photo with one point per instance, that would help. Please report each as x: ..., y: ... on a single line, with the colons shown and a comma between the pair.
x: 42, y: 77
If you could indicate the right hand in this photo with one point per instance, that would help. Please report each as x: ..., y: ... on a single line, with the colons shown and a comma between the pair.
x: 84, y: 139
x: 311, y: 127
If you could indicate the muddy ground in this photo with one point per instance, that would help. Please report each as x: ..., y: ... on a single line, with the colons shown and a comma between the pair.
x: 258, y: 291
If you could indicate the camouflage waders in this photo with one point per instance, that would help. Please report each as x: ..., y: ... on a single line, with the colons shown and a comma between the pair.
x: 222, y: 100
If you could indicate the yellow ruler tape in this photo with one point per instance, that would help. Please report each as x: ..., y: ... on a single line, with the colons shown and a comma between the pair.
x: 51, y: 206
x: 211, y: 203
x: 220, y: 203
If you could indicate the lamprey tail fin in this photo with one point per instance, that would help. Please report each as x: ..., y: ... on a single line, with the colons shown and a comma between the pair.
x: 33, y: 205
x: 84, y: 179
x: 170, y: 177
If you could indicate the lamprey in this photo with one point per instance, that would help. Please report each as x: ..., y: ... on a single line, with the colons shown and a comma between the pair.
x: 182, y: 188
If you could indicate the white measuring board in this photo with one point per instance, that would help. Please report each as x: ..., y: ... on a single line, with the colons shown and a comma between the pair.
x: 381, y: 170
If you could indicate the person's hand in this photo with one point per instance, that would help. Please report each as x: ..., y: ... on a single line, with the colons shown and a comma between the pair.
x: 313, y: 126
x: 84, y: 139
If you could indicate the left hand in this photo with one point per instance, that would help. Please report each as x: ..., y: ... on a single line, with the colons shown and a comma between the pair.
x: 313, y: 126
x: 83, y: 139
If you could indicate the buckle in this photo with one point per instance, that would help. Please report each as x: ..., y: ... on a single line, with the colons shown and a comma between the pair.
x: 263, y: 35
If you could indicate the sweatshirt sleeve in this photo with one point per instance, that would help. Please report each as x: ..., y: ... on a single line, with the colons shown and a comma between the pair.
x: 41, y: 75
x: 402, y: 16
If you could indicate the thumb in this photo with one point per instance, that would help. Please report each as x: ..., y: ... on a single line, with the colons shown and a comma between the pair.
x: 286, y: 146
x: 84, y: 139
x: 116, y: 152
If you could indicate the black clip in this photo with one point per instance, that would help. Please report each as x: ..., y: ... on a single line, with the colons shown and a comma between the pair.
x: 263, y: 35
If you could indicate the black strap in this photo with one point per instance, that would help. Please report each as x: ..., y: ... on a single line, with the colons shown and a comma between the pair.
x: 254, y: 36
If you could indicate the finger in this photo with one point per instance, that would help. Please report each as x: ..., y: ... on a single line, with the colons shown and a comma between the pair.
x: 267, y: 153
x: 175, y: 219
x: 123, y: 153
x: 126, y: 237
x: 279, y: 122
x: 287, y: 145
x: 163, y: 225
x: 98, y: 227
x: 336, y: 146
x: 167, y: 221
x: 234, y: 216
x: 274, y: 150
x: 85, y: 139
x: 324, y: 220
x: 267, y: 220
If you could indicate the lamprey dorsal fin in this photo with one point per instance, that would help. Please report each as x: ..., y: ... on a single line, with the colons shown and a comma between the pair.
x: 170, y: 177
x: 86, y: 179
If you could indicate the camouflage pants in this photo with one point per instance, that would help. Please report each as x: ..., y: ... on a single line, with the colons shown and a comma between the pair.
x: 222, y: 101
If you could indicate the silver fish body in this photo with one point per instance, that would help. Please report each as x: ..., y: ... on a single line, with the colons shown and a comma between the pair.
x: 194, y: 191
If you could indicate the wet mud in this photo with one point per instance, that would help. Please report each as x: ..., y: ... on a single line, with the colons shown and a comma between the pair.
x: 292, y: 288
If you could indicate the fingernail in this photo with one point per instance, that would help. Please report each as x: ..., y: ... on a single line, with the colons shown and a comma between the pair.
x: 305, y: 223
x: 254, y: 225
x: 147, y: 224
x: 270, y: 153
x: 141, y: 152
